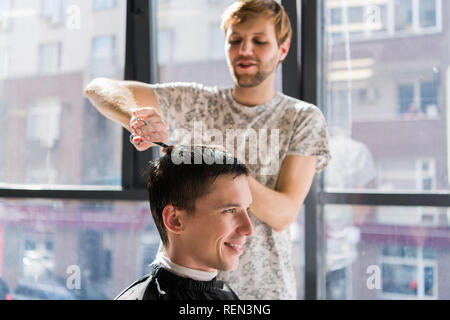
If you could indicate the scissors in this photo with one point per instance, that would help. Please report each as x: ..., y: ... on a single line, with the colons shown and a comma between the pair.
x: 161, y: 144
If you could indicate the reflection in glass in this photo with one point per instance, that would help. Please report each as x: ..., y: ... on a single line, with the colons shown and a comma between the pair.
x: 74, y: 249
x: 51, y: 129
x: 401, y: 279
x: 385, y: 95
x: 386, y: 252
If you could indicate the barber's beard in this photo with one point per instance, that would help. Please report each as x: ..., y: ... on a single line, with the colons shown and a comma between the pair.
x: 255, y: 79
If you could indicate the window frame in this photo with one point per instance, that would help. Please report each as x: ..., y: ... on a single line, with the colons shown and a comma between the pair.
x: 305, y: 55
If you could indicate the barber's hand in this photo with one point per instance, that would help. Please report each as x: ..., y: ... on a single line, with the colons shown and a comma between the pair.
x: 147, y: 125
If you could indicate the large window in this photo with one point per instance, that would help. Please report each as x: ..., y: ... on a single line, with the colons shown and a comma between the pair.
x: 61, y: 249
x: 387, y: 105
x: 53, y: 140
x: 380, y: 229
x: 386, y: 252
x: 41, y: 94
x: 387, y: 109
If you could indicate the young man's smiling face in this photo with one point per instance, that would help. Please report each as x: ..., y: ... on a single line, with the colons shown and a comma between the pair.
x: 214, y: 235
x: 252, y: 50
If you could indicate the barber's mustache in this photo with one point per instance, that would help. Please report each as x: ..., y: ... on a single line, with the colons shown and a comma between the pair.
x: 246, y: 59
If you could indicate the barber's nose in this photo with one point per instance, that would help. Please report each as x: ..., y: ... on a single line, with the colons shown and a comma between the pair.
x: 245, y: 225
x: 246, y: 48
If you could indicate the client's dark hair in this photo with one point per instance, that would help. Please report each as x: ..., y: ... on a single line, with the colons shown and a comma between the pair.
x: 183, y: 175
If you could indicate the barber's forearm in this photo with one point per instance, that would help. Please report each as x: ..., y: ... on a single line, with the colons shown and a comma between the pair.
x: 112, y: 100
x: 274, y: 208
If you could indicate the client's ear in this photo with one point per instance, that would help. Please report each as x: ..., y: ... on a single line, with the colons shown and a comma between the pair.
x: 172, y: 218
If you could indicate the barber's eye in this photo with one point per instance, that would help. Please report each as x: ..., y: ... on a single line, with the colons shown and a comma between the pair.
x: 233, y: 210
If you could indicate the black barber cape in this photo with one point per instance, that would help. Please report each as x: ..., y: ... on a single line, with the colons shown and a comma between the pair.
x: 162, y: 284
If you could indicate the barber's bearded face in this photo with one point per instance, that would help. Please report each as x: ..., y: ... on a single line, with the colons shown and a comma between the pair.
x: 252, y: 50
x: 255, y: 77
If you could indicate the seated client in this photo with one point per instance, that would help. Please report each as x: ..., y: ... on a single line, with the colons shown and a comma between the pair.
x: 199, y: 198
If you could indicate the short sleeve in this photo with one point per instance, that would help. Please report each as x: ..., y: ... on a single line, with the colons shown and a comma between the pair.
x: 310, y: 136
x: 180, y: 102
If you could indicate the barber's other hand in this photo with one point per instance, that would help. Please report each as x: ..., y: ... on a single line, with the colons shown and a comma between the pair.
x: 147, y: 125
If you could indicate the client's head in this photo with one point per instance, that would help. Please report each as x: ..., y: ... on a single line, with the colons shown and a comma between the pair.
x: 199, y: 198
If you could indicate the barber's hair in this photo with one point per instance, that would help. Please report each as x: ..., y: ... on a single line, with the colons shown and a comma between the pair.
x: 240, y: 10
x: 183, y: 175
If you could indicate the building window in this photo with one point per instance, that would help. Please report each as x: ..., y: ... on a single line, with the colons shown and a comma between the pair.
x: 104, y: 47
x: 43, y: 121
x: 217, y: 42
x: 429, y: 98
x: 337, y: 284
x: 51, y: 10
x: 104, y: 4
x: 399, y: 279
x: 356, y: 20
x: 427, y: 173
x: 407, y: 173
x: 4, y: 62
x: 103, y: 60
x: 376, y: 19
x: 38, y: 257
x: 49, y: 58
x: 406, y: 98
x: 418, y: 99
x: 166, y: 43
x: 5, y: 17
x: 408, y: 272
x: 428, y: 13
x: 43, y: 133
x: 403, y: 15
x: 355, y: 15
x: 336, y: 16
